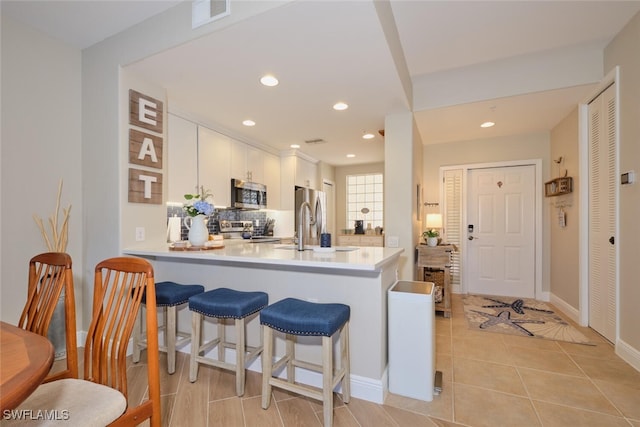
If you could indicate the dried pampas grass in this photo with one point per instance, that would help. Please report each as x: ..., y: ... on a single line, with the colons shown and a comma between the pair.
x: 59, y: 238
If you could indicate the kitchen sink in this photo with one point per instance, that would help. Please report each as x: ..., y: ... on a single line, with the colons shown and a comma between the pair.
x: 263, y: 239
x: 310, y: 248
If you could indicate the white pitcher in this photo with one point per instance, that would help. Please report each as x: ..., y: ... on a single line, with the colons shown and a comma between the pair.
x: 198, y: 232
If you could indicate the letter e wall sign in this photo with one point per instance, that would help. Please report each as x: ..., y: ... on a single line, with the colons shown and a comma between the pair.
x: 145, y: 112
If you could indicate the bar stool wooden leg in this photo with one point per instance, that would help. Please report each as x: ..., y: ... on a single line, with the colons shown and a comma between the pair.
x: 267, y: 363
x: 345, y: 363
x: 240, y: 356
x: 196, y: 327
x: 291, y: 356
x: 327, y: 380
x: 170, y: 337
x: 221, y: 338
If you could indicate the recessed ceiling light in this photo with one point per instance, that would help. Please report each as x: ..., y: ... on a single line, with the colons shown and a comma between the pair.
x: 340, y: 106
x: 487, y: 124
x: 294, y: 146
x: 368, y: 136
x: 351, y: 155
x: 248, y: 123
x: 269, y: 80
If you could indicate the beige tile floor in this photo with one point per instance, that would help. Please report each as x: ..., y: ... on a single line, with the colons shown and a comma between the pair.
x: 489, y: 380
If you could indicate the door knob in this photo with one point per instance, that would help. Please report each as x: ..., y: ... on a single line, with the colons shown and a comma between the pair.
x: 471, y: 237
x: 612, y: 240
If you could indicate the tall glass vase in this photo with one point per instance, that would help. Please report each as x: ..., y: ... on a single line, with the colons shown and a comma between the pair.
x: 198, y: 232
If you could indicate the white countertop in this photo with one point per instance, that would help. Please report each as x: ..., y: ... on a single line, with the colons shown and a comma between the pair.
x: 365, y: 259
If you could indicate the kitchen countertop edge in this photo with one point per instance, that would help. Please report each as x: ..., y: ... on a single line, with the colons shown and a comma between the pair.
x: 365, y: 259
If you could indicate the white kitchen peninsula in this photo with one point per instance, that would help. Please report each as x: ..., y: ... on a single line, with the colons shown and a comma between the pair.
x: 359, y: 278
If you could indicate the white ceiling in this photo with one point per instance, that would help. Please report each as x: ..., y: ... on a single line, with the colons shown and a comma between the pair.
x: 326, y: 51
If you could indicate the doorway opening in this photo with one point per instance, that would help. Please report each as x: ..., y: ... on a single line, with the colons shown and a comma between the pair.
x: 455, y: 193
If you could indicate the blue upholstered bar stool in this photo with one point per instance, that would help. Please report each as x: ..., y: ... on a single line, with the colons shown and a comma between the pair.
x: 296, y: 317
x: 223, y: 304
x: 169, y: 295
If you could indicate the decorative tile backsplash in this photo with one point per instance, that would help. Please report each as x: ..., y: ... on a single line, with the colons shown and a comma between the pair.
x: 217, y: 216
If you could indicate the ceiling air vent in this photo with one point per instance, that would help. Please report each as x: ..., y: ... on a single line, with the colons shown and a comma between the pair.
x: 205, y: 11
x: 315, y: 141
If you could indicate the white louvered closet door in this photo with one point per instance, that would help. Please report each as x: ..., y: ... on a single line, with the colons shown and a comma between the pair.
x: 602, y: 214
x: 452, y: 191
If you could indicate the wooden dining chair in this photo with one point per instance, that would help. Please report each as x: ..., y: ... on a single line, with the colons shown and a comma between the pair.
x: 49, y: 274
x: 101, y: 398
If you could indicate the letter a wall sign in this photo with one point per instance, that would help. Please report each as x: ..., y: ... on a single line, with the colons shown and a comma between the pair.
x: 146, y: 117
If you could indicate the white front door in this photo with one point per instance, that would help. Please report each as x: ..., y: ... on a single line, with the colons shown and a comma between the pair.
x: 501, y: 231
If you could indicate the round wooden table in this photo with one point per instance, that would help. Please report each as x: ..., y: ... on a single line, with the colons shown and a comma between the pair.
x: 25, y: 360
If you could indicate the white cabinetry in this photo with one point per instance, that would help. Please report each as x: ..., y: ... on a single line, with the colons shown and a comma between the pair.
x: 295, y: 171
x: 182, y: 158
x: 199, y: 156
x: 214, y: 151
x: 272, y: 180
x: 247, y: 163
x: 306, y: 173
x: 360, y: 240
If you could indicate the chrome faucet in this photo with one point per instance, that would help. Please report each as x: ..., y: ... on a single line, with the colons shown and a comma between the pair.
x: 301, y: 225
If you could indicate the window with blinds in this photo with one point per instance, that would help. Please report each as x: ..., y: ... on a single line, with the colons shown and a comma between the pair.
x: 452, y: 195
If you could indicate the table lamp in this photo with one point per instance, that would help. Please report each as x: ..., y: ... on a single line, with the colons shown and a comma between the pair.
x: 433, y: 224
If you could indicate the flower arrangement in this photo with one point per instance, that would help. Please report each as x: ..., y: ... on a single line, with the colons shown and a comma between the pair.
x: 197, y: 203
x: 430, y: 233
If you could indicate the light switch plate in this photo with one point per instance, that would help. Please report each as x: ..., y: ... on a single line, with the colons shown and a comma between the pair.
x: 628, y: 178
x: 139, y: 234
x: 393, y: 241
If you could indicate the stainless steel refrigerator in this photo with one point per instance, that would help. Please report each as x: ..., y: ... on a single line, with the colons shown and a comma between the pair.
x: 314, y: 220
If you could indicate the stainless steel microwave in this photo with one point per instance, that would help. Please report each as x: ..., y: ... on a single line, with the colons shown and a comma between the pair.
x: 248, y: 195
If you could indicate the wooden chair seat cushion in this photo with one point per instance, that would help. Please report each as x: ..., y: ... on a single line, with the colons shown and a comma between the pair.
x: 86, y: 403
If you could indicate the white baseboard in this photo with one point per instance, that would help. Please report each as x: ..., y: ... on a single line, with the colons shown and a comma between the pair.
x: 628, y: 354
x: 566, y: 308
x: 622, y: 349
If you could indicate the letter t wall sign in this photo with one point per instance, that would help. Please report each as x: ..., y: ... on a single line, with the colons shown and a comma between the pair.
x: 145, y: 149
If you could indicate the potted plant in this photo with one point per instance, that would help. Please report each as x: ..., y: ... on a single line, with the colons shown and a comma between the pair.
x: 431, y: 237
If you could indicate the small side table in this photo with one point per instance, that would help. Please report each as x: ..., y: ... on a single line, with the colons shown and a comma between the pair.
x: 437, y: 258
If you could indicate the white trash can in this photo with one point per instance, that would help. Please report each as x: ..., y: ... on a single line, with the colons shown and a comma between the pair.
x: 412, y: 345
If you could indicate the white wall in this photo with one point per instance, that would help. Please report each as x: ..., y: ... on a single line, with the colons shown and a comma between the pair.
x: 623, y: 51
x: 41, y: 144
x: 402, y: 151
x: 564, y: 262
x: 151, y: 217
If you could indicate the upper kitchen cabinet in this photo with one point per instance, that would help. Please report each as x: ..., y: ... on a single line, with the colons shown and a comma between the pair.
x: 306, y: 173
x: 214, y: 151
x: 296, y: 170
x: 182, y: 158
x: 272, y: 180
x: 247, y: 163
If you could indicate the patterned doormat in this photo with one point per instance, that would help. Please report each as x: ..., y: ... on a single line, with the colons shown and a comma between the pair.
x: 519, y: 316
